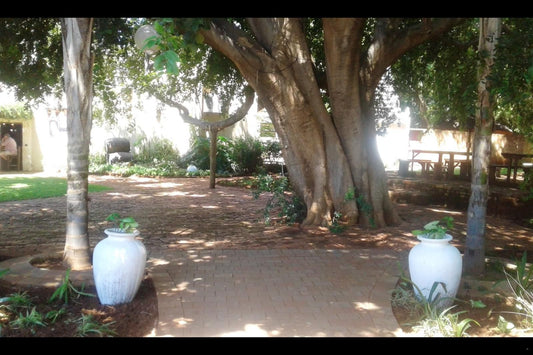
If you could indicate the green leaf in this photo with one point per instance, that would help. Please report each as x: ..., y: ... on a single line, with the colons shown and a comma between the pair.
x: 3, y: 272
x: 159, y: 63
x: 113, y: 217
x: 529, y: 75
x: 199, y: 38
x: 477, y: 304
x: 171, y: 59
x: 431, y: 225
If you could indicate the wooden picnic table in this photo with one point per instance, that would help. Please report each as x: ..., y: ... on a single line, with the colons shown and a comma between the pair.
x: 437, y: 163
x: 513, y: 163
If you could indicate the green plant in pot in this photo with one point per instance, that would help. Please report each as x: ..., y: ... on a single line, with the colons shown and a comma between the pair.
x: 434, y: 260
x: 119, y: 262
x: 123, y: 224
x: 435, y: 229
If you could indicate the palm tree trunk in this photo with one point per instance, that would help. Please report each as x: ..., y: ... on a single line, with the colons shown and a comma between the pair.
x: 77, y: 62
x: 474, y: 258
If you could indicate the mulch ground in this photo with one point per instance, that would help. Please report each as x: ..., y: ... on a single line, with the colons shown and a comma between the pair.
x: 184, y: 213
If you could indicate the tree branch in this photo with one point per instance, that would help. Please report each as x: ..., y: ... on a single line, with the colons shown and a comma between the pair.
x: 238, y: 115
x: 390, y: 43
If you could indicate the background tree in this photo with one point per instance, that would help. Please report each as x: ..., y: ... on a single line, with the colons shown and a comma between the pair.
x: 420, y: 85
x: 438, y: 80
x: 40, y: 57
x: 474, y: 260
x: 78, y: 67
x: 512, y: 76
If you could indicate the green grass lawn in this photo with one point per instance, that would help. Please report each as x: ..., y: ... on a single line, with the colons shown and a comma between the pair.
x: 25, y: 188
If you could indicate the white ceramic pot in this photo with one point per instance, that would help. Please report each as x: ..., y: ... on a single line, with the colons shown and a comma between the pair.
x: 118, y: 267
x: 436, y: 260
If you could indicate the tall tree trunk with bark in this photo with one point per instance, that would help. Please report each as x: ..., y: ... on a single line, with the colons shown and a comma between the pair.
x: 474, y: 258
x: 77, y: 62
x: 328, y: 152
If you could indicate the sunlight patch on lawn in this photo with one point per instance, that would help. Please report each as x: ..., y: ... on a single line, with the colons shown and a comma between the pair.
x: 19, y: 186
x: 16, y: 188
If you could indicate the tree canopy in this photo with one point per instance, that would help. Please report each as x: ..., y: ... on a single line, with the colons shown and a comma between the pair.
x: 438, y: 80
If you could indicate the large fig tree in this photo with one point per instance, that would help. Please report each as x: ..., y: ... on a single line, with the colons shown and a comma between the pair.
x: 317, y: 81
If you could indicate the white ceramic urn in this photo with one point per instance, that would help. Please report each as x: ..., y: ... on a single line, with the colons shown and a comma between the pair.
x: 118, y: 266
x: 436, y: 260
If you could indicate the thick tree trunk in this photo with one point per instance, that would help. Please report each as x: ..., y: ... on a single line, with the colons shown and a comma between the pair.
x: 78, y: 88
x: 474, y: 258
x: 331, y: 149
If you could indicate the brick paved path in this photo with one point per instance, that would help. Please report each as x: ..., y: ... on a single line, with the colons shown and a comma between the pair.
x: 284, y: 293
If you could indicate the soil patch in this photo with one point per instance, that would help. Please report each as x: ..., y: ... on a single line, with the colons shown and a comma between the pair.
x: 137, y: 318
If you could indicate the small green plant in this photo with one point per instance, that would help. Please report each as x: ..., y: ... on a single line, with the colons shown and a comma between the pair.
x: 521, y: 286
x: 431, y: 303
x: 15, y: 301
x: 67, y: 290
x: 291, y: 209
x: 445, y: 324
x: 54, y: 315
x: 30, y: 320
x: 335, y: 226
x: 477, y: 304
x: 362, y: 204
x: 524, y: 276
x: 125, y: 224
x: 403, y: 297
x: 432, y: 321
x: 88, y: 325
x: 435, y: 229
x: 3, y: 272
x: 504, y: 326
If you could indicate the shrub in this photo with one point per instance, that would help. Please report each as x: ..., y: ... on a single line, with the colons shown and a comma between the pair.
x: 198, y: 155
x: 246, y: 155
x: 156, y: 150
x: 290, y: 207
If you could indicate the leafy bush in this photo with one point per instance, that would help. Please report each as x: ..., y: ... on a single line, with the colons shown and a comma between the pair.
x: 246, y: 155
x: 156, y: 150
x: 242, y: 156
x: 290, y: 207
x: 433, y: 321
x: 198, y: 155
x: 97, y: 159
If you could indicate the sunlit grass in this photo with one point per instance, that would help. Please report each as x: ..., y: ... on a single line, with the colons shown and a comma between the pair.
x: 25, y: 188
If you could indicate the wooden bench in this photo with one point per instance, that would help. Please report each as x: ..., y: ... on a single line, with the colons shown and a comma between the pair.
x: 430, y: 167
x: 424, y: 163
x: 465, y: 166
x: 494, y: 171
